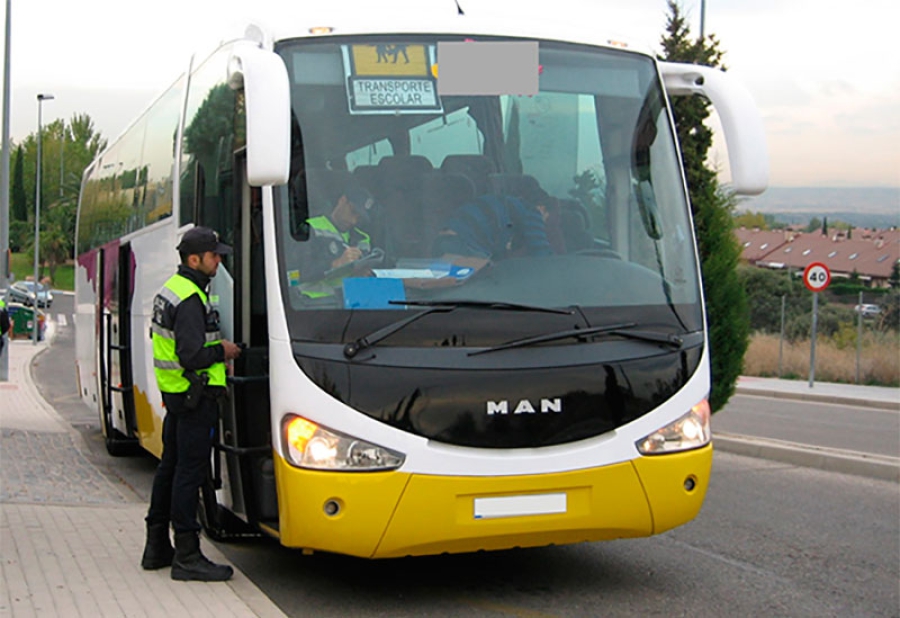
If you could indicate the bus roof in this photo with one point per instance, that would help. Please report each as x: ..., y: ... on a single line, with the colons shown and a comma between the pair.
x: 352, y: 17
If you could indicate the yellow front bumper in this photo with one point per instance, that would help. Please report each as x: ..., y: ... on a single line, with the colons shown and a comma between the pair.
x: 393, y: 514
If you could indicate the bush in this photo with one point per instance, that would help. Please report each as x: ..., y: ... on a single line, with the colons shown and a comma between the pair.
x: 830, y: 320
x: 764, y: 288
x: 21, y: 235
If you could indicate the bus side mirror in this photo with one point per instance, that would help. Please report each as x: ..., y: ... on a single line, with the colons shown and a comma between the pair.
x: 262, y: 76
x: 741, y: 122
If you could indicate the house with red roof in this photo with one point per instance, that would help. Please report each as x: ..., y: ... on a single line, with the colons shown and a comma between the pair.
x: 870, y: 255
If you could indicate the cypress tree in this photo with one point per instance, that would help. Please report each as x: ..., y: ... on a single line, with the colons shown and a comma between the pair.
x: 712, y: 210
x: 19, y: 206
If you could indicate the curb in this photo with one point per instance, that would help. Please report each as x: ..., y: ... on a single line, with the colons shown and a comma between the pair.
x: 819, y: 398
x: 833, y: 460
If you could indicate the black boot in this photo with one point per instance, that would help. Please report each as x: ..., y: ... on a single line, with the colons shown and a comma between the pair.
x: 158, y: 551
x: 190, y: 565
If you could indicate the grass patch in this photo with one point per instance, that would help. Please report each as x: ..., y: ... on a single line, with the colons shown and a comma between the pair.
x: 22, y: 266
x: 879, y: 359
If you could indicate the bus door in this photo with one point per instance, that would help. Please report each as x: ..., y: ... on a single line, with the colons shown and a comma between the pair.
x: 243, y: 470
x: 114, y: 371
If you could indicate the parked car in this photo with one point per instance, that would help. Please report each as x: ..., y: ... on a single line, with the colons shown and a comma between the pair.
x: 867, y: 310
x: 23, y: 292
x: 23, y: 321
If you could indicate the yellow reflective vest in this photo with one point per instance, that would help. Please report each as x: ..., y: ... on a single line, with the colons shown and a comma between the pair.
x: 323, y: 228
x: 166, y: 364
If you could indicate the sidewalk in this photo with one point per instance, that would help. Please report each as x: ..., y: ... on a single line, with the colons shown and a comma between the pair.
x: 70, y: 541
x: 882, y: 397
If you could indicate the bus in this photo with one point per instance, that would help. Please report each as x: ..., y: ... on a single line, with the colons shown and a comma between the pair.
x: 422, y: 401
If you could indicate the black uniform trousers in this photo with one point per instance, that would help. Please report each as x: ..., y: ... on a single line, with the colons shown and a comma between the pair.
x: 187, y: 446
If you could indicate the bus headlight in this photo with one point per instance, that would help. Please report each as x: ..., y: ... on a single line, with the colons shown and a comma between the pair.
x: 308, y: 445
x: 688, y: 432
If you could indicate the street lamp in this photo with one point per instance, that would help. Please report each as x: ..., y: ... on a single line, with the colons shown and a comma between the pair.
x: 62, y: 158
x: 4, y: 185
x: 37, y: 217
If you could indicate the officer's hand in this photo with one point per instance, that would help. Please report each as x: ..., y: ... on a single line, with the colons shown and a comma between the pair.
x: 351, y: 254
x: 232, y: 351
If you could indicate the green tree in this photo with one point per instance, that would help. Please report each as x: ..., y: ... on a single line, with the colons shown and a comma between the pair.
x: 751, y: 220
x: 894, y: 279
x: 712, y: 208
x: 66, y: 150
x: 19, y: 203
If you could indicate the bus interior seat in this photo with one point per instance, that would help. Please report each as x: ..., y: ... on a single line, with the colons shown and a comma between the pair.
x: 521, y: 186
x: 324, y: 188
x: 369, y: 177
x: 443, y: 195
x: 401, y: 202
x: 476, y: 168
x: 411, y: 164
x: 575, y: 226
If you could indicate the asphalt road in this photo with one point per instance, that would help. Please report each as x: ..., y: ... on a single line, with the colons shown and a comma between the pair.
x: 866, y: 430
x: 772, y: 539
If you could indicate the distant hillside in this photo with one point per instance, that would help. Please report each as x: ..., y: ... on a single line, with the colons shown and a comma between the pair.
x: 861, y: 206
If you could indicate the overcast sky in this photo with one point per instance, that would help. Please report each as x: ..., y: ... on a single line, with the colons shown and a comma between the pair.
x: 824, y: 73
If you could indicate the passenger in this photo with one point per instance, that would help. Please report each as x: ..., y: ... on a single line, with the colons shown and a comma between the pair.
x: 4, y: 324
x: 495, y: 227
x: 549, y: 207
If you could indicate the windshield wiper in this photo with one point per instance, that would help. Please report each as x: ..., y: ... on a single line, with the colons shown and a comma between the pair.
x: 435, y: 306
x: 481, y: 304
x: 621, y: 330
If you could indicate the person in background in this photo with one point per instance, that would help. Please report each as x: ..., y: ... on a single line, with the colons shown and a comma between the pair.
x: 494, y: 227
x: 4, y: 324
x: 189, y: 362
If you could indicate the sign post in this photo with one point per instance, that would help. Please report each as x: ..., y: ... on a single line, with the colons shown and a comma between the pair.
x: 816, y: 277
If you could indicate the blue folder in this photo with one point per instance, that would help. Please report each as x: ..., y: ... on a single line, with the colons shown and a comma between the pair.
x: 373, y: 293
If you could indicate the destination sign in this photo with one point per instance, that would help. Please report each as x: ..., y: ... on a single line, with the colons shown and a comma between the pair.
x: 379, y: 93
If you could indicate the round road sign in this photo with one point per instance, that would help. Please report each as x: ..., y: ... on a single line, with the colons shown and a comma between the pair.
x: 817, y: 277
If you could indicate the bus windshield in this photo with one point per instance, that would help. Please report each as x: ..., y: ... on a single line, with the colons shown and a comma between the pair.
x: 568, y: 198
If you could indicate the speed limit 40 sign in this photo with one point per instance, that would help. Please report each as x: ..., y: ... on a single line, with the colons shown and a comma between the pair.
x: 817, y: 277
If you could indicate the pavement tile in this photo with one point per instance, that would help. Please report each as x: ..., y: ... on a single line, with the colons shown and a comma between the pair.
x: 70, y: 541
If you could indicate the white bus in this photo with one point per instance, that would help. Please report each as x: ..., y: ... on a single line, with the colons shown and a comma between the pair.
x: 426, y: 400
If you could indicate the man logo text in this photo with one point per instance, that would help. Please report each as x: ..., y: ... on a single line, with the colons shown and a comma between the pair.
x: 524, y: 407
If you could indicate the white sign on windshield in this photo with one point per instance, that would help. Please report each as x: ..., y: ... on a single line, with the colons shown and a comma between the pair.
x: 374, y: 93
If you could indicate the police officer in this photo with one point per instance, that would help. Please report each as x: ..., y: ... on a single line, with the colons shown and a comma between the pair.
x: 336, y: 240
x: 189, y: 362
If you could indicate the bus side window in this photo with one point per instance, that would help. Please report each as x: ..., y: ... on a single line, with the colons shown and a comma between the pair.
x: 214, y: 132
